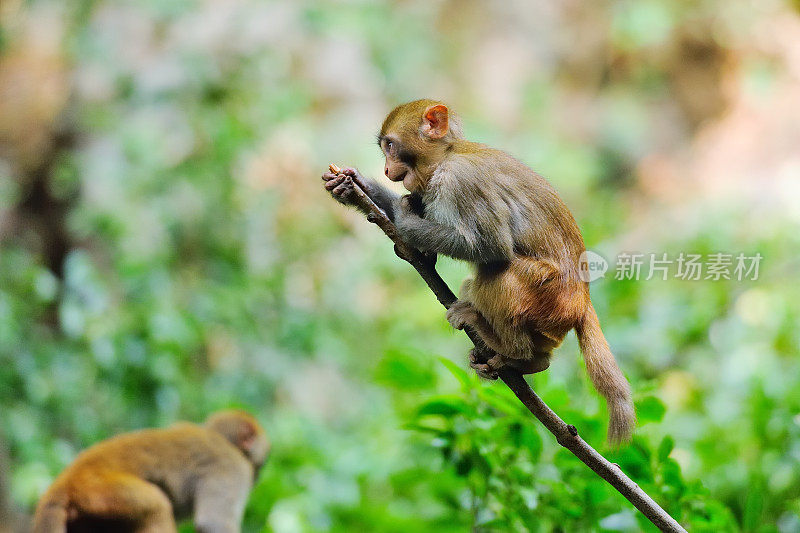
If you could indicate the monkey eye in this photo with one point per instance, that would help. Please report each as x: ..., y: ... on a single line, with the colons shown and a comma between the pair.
x: 389, y: 145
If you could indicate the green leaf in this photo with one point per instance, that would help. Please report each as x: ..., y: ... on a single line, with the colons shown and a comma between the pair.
x: 430, y: 426
x: 671, y: 473
x: 754, y: 506
x: 459, y: 373
x: 650, y: 409
x: 402, y: 371
x: 665, y: 448
x: 530, y: 439
x: 447, y: 406
x: 501, y: 399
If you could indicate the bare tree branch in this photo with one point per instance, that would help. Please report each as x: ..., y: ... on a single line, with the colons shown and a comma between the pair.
x: 566, y: 435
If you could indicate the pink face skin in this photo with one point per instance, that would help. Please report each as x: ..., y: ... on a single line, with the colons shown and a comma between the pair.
x: 395, y: 169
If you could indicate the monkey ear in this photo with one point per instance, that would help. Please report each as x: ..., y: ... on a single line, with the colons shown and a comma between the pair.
x: 246, y: 442
x: 247, y: 437
x: 434, y: 121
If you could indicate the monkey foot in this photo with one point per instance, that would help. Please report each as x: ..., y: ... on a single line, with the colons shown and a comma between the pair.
x: 461, y: 313
x: 539, y: 363
x: 486, y: 369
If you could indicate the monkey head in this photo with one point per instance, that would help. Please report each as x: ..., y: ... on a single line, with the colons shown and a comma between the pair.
x: 244, y: 432
x: 414, y: 138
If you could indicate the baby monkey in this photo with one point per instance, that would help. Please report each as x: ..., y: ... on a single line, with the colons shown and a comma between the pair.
x: 146, y: 480
x: 478, y: 204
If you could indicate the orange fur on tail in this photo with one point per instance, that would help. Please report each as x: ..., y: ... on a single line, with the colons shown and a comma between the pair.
x: 606, y: 377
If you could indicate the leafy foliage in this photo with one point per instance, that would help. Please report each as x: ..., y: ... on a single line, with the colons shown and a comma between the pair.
x: 517, y: 483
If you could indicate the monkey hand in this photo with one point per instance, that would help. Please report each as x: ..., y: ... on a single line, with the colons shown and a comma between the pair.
x: 341, y: 185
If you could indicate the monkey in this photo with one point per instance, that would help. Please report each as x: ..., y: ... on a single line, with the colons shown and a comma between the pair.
x: 481, y: 205
x: 147, y: 480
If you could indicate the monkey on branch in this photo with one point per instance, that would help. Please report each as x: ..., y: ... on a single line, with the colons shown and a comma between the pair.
x: 480, y: 205
x: 146, y: 480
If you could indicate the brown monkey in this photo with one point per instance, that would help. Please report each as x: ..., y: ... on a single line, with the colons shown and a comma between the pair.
x: 146, y: 480
x: 478, y: 204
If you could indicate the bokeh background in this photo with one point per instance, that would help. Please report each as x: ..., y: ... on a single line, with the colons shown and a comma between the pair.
x: 166, y: 249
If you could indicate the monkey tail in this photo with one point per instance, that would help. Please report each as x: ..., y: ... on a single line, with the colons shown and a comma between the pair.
x: 51, y: 513
x: 606, y: 377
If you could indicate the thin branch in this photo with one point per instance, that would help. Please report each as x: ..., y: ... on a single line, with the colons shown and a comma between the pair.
x: 566, y: 435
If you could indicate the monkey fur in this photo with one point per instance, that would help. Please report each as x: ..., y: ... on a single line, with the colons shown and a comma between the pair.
x: 478, y: 204
x: 146, y: 480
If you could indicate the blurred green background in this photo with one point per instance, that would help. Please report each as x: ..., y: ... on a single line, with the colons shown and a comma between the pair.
x: 167, y: 249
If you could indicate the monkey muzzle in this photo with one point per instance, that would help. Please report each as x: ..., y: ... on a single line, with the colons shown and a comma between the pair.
x: 397, y: 177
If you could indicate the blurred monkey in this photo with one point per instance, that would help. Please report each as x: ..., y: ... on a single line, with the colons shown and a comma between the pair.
x: 146, y: 480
